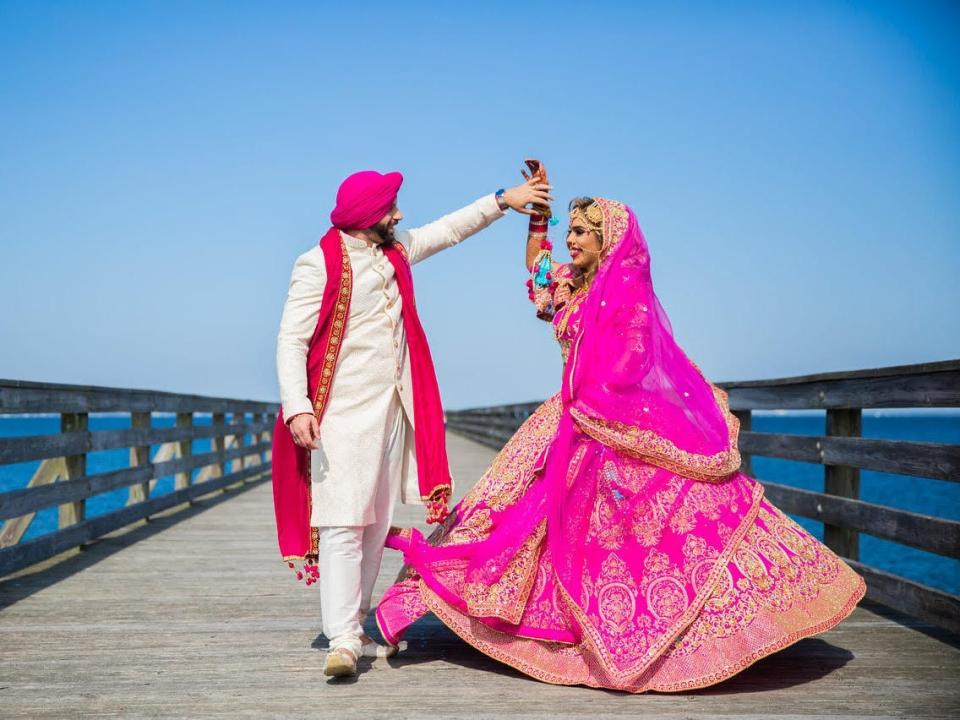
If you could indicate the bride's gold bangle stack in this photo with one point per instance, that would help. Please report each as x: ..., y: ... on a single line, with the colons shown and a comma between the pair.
x: 537, y: 227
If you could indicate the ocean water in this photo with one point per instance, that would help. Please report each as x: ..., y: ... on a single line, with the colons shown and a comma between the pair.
x: 922, y: 495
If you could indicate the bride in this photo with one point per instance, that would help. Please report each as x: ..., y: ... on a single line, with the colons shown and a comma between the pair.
x: 614, y: 542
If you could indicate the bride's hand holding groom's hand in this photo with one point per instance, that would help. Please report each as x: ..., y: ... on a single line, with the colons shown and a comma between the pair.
x: 533, y: 192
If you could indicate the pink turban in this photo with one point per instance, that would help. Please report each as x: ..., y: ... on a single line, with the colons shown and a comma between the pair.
x: 364, y: 198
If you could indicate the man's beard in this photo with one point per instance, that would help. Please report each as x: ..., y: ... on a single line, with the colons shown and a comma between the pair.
x: 385, y: 231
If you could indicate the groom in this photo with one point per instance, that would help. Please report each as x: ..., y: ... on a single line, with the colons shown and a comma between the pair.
x: 361, y: 424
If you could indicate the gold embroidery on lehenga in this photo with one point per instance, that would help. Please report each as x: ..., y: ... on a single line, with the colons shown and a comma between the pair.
x: 634, y: 475
x: 762, y: 553
x: 766, y: 584
x: 646, y: 527
x: 648, y: 520
x: 564, y: 664
x: 694, y: 547
x: 753, y: 570
x: 474, y: 528
x: 603, y: 526
x: 683, y: 520
x: 544, y: 607
x: 771, y: 581
x: 506, y: 596
x: 626, y: 663
x: 513, y: 469
x: 653, y: 447
x: 656, y: 561
x: 616, y: 596
x: 685, y: 663
x: 615, y: 593
x: 666, y: 598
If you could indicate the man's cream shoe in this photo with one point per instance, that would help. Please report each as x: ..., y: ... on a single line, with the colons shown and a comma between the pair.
x: 341, y: 662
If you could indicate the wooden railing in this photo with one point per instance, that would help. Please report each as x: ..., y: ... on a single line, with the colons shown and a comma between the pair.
x: 62, y: 479
x: 843, y: 453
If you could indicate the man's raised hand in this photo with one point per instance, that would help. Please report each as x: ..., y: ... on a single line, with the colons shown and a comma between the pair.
x: 533, y: 192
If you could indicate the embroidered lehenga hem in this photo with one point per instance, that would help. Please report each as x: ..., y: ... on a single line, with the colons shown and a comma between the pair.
x: 563, y: 664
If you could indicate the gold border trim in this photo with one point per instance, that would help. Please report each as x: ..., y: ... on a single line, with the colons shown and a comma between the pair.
x: 654, y: 448
x: 331, y: 352
x: 591, y: 639
x: 337, y: 330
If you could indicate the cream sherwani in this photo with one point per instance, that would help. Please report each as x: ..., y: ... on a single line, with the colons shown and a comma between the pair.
x: 372, y: 371
x: 366, y: 459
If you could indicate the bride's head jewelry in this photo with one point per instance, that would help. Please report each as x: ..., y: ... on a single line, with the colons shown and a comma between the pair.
x: 590, y: 214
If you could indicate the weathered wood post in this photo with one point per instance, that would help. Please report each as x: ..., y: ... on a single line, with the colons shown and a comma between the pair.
x: 258, y: 437
x: 844, y: 481
x: 139, y: 455
x: 240, y: 441
x: 185, y: 447
x: 268, y: 434
x: 219, y: 445
x: 746, y: 421
x: 75, y: 467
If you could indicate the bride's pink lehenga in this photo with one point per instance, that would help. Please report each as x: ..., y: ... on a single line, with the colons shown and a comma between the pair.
x: 613, y: 542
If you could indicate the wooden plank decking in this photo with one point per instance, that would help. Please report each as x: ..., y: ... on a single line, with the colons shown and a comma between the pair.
x: 192, y: 615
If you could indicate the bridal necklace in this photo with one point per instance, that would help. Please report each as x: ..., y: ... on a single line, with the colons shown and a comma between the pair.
x: 576, y: 299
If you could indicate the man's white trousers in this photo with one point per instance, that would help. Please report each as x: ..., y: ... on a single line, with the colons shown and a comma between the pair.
x: 350, y: 556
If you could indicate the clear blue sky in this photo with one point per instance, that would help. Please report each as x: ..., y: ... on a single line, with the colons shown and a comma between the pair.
x: 795, y: 167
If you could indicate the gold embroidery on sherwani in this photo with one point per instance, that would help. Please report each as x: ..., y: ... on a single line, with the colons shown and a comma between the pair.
x: 338, y: 328
x: 330, y: 354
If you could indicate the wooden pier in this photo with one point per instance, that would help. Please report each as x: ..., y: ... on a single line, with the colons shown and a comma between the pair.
x: 190, y: 613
